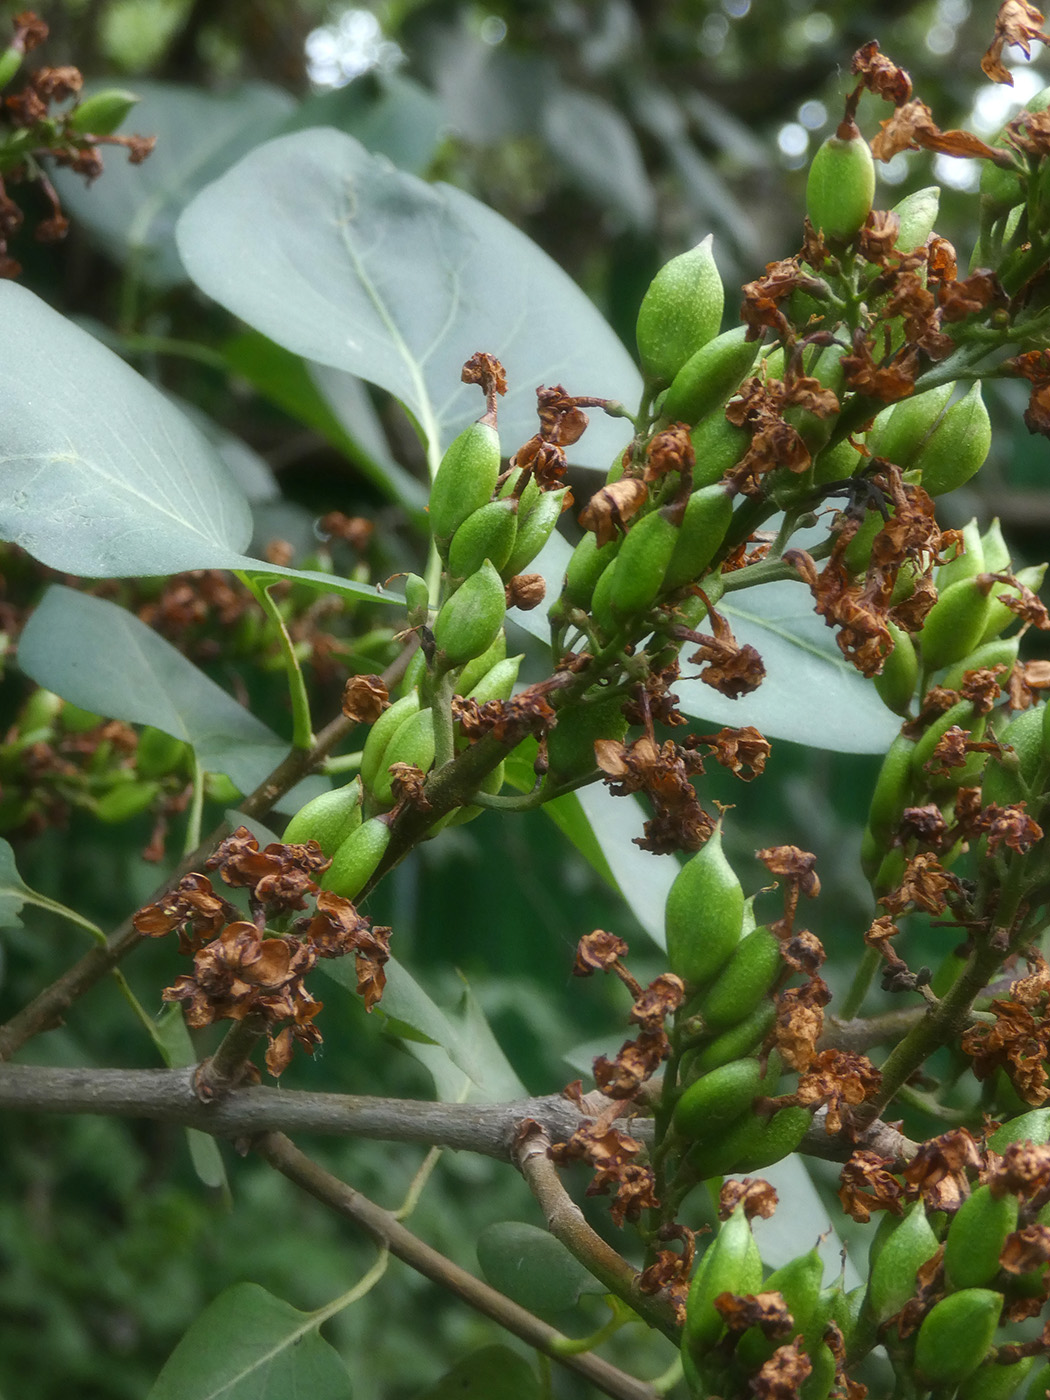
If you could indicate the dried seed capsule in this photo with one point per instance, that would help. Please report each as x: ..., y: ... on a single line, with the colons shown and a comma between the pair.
x: 412, y: 743
x: 1027, y: 1127
x: 731, y: 1264
x: 707, y: 515
x: 704, y: 914
x: 955, y: 1336
x: 327, y: 819
x: 718, y: 446
x: 899, y: 432
x: 891, y: 1281
x: 976, y: 1237
x: 840, y: 186
x: 680, y: 312
x: 570, y: 744
x: 954, y: 626
x: 534, y: 530
x: 999, y: 616
x: 357, y: 858
x: 487, y: 533
x: 717, y: 1099
x: 738, y: 1040
x: 102, y: 113
x: 639, y: 570
x: 745, y: 980
x: 918, y: 214
x: 899, y: 676
x: 465, y: 480
x: 471, y: 619
x: 384, y: 729
x: 958, y: 445
x: 498, y: 683
x: 708, y: 378
x: 473, y: 671
x: 993, y: 1382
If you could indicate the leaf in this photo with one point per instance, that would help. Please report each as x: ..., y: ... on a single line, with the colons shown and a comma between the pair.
x: 643, y: 878
x: 811, y: 694
x: 132, y: 213
x: 532, y: 1267
x: 375, y: 272
x: 449, y: 1044
x: 492, y: 1373
x: 100, y: 474
x: 177, y: 1050
x: 599, y: 150
x: 389, y: 114
x: 247, y: 1344
x: 104, y: 659
x: 14, y: 893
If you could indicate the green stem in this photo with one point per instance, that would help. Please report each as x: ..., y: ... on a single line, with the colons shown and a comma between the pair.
x: 862, y: 980
x: 444, y: 738
x: 196, y: 811
x: 576, y: 1346
x: 343, y: 763
x: 302, y: 731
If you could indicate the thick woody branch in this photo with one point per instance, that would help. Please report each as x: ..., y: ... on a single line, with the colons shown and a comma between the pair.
x: 386, y: 1230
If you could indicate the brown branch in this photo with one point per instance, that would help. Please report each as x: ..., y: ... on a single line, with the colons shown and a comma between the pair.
x: 877, y: 1137
x: 862, y: 1032
x: 566, y: 1222
x: 386, y: 1230
x: 47, y: 1009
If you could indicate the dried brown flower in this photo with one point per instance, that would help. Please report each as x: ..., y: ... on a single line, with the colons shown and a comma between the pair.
x: 610, y: 508
x: 365, y: 698
x: 598, y: 952
x: 758, y: 1196
x: 867, y: 1185
x: 1017, y: 23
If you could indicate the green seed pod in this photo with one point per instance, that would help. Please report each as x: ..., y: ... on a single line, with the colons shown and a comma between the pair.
x: 918, y: 214
x: 491, y: 784
x: 718, y: 446
x: 703, y: 915
x: 499, y: 682
x: 10, y: 62
x: 738, y: 1040
x: 958, y: 446
x: 955, y: 1336
x: 954, y: 626
x: 1002, y: 652
x: 835, y: 463
x: 840, y: 186
x: 465, y: 479
x: 707, y: 515
x: 1010, y: 778
x: 570, y: 744
x: 961, y: 713
x: 992, y: 1382
x: 976, y: 1237
x: 586, y: 566
x: 680, y: 312
x: 891, y: 1280
x: 999, y: 617
x: 899, y: 432
x: 379, y: 736
x: 639, y: 570
x: 417, y: 600
x: 412, y: 743
x: 1027, y: 1127
x: 799, y: 1284
x: 159, y: 754
x: 528, y: 497
x: 487, y: 533
x: 996, y: 552
x: 968, y: 563
x: 825, y: 366
x: 708, y: 378
x: 1039, y: 1385
x: 718, y: 1154
x: 857, y: 555
x: 357, y: 858
x: 474, y: 671
x: 327, y: 819
x: 471, y: 619
x: 731, y: 1264
x: 534, y: 530
x: 717, y: 1099
x: 124, y: 801
x: 102, y: 113
x: 899, y: 676
x: 745, y: 981
x: 781, y: 1136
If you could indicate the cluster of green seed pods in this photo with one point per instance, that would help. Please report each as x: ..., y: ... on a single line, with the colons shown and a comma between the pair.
x: 729, y: 972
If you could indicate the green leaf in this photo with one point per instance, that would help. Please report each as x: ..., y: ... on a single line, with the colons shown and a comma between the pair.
x: 599, y: 150
x: 532, y: 1267
x: 199, y: 135
x: 247, y: 1344
x: 14, y: 893
x: 389, y: 114
x: 177, y: 1050
x: 346, y: 261
x: 493, y: 1373
x: 105, y: 660
x: 101, y: 474
x: 450, y: 1044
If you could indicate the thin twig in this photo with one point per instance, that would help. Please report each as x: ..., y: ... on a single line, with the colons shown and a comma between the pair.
x: 385, y: 1229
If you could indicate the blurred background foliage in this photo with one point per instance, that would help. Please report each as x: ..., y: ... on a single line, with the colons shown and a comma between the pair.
x: 615, y: 135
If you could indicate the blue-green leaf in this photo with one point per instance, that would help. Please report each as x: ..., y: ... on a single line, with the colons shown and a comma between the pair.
x: 247, y: 1344
x: 105, y: 660
x: 492, y: 1373
x: 342, y: 259
x: 532, y: 1267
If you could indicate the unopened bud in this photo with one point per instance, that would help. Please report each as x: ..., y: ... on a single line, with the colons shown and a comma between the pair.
x: 680, y: 312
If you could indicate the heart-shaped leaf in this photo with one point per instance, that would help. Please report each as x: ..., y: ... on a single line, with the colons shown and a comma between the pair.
x: 344, y: 260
